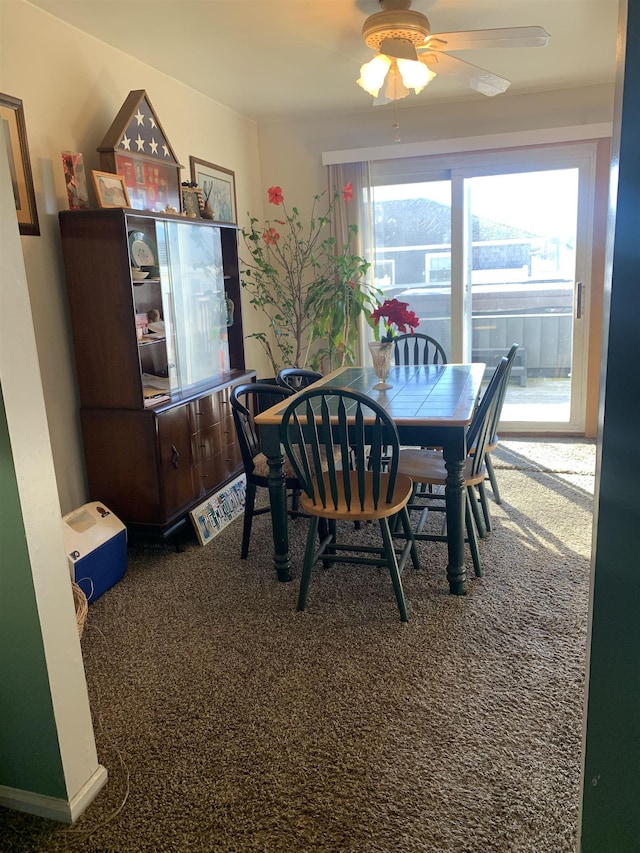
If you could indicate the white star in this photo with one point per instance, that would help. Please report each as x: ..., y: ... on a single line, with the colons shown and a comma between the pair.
x: 139, y: 117
x: 154, y: 146
x: 152, y: 121
x: 126, y: 143
x: 140, y: 143
x: 166, y: 150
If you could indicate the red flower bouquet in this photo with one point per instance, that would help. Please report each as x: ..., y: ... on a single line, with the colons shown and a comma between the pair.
x: 394, y: 317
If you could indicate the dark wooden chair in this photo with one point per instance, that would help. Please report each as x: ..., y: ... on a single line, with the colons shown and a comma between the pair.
x: 494, y: 440
x: 245, y: 403
x: 427, y: 467
x: 297, y: 378
x: 418, y: 348
x: 346, y: 426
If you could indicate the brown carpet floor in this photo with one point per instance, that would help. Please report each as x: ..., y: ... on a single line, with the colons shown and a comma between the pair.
x: 229, y: 722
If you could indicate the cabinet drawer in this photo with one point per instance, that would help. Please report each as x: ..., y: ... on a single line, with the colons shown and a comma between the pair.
x: 211, y: 472
x: 204, y: 412
x: 206, y: 442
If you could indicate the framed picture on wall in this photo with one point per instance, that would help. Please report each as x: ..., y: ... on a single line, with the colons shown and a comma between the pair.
x: 14, y: 132
x: 218, y: 188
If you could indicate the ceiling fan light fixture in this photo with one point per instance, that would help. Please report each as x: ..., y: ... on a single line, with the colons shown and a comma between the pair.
x: 395, y: 89
x: 373, y: 73
x: 415, y: 75
x: 401, y: 75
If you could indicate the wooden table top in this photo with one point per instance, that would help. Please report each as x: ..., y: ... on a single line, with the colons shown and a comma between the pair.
x: 425, y: 395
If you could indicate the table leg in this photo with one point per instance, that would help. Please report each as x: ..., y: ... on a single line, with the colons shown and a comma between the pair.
x: 455, y: 498
x: 279, y: 517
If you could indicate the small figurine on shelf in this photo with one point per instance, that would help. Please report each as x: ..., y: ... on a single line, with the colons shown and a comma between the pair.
x: 207, y: 210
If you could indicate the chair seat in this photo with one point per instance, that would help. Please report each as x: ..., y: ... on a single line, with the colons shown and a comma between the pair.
x: 492, y: 445
x: 401, y: 495
x: 427, y: 466
x: 261, y: 467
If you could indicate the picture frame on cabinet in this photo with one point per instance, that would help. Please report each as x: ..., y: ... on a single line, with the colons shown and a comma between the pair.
x: 14, y: 131
x: 192, y: 203
x: 218, y: 188
x: 111, y: 190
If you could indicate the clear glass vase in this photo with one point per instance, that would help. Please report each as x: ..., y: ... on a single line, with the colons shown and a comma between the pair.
x: 381, y: 355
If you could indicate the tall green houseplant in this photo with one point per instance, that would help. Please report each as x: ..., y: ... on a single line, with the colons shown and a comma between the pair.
x: 310, y: 292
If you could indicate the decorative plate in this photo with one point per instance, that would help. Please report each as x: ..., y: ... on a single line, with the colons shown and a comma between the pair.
x: 142, y: 250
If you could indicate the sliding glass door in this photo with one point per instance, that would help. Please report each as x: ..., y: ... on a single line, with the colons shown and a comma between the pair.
x: 493, y: 252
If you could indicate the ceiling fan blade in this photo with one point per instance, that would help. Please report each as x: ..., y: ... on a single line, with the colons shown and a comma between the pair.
x: 477, y: 78
x: 502, y: 37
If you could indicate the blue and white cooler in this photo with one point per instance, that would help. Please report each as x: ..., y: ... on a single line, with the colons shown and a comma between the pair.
x: 96, y: 544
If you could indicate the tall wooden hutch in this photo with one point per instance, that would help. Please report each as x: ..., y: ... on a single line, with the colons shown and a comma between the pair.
x: 155, y: 308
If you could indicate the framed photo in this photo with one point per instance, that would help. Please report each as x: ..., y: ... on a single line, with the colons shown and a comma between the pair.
x: 14, y: 131
x: 218, y: 188
x: 111, y: 190
x: 192, y: 203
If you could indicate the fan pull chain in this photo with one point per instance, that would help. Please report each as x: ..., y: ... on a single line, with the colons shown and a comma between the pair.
x: 396, y: 123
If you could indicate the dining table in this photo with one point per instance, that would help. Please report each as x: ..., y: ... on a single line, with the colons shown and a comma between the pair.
x: 432, y: 405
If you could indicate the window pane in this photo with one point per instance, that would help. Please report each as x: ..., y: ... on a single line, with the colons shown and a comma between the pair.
x: 523, y: 229
x: 412, y: 239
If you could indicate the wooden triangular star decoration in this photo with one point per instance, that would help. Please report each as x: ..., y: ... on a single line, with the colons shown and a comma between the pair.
x: 137, y: 130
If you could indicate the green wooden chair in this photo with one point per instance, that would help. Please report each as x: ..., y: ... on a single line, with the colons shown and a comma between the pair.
x: 418, y: 348
x: 350, y: 431
x: 297, y: 378
x: 246, y: 400
x: 427, y: 467
x: 494, y: 439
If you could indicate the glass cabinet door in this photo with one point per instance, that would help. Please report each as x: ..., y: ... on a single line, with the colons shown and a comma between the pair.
x: 193, y: 295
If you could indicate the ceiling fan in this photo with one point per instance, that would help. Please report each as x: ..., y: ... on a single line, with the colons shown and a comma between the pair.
x: 408, y: 55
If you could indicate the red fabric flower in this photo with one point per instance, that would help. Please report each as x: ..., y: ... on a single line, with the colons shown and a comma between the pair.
x: 275, y: 195
x: 270, y: 237
x: 347, y: 191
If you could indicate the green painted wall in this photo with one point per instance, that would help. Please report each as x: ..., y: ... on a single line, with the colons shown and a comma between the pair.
x: 29, y: 751
x: 611, y: 800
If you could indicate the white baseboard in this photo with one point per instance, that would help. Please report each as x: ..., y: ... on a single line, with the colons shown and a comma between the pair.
x: 64, y: 811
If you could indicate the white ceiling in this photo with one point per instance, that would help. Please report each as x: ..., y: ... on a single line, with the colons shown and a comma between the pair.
x: 267, y: 58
